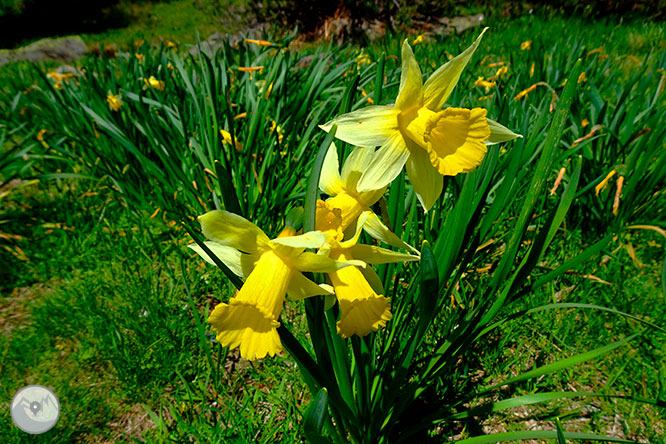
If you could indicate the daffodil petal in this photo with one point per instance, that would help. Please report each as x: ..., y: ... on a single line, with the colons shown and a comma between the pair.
x: 378, y: 255
x: 246, y: 325
x: 357, y: 231
x: 456, y: 139
x: 228, y: 255
x: 411, y: 81
x: 329, y: 180
x: 355, y: 164
x: 371, y: 126
x: 499, y: 133
x: 439, y: 85
x: 386, y: 164
x: 312, y: 262
x: 301, y: 287
x: 375, y: 228
x: 373, y: 279
x: 312, y: 239
x: 362, y: 316
x: 425, y: 179
x: 232, y: 230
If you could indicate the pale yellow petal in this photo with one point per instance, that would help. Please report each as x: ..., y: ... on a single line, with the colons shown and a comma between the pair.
x: 425, y: 178
x: 312, y: 262
x: 357, y: 231
x: 371, y: 126
x: 377, y: 255
x: 312, y: 239
x: 456, y: 139
x: 329, y: 180
x: 439, y: 85
x: 228, y: 255
x: 376, y: 228
x: 499, y: 133
x: 355, y: 164
x: 301, y: 287
x: 410, y: 94
x: 386, y: 164
x: 232, y: 230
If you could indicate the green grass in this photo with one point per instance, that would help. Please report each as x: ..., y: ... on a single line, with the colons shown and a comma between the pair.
x: 109, y: 308
x: 108, y: 313
x: 179, y: 21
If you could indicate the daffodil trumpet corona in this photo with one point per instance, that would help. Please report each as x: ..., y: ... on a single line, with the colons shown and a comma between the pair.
x: 418, y: 134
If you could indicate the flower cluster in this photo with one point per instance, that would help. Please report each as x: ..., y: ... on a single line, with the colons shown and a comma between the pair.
x: 417, y: 132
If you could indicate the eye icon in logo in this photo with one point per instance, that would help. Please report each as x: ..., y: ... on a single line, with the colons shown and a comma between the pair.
x: 35, y: 409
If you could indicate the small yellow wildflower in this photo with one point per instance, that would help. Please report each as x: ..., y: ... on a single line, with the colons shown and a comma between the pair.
x: 170, y: 66
x: 525, y: 92
x: 582, y: 78
x: 226, y: 138
x: 114, y: 101
x: 140, y: 57
x: 367, y: 97
x: 532, y: 70
x: 259, y: 42
x: 251, y: 69
x: 584, y: 123
x: 40, y: 134
x: 484, y: 83
x: 170, y: 44
x: 500, y: 72
x: 275, y: 127
x: 601, y: 185
x: 418, y: 40
x: 152, y: 82
x: 526, y: 45
x: 363, y: 59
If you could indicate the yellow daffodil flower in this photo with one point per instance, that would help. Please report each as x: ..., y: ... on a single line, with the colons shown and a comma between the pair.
x: 345, y: 197
x: 226, y: 138
x: 418, y: 134
x: 363, y: 308
x: 259, y: 42
x: 273, y: 270
x: 484, y: 83
x: 152, y: 82
x: 114, y: 102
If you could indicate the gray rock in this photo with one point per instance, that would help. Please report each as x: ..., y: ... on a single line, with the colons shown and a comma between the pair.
x: 459, y: 24
x: 63, y: 49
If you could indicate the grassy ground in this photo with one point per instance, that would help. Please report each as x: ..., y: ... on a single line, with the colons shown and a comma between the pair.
x: 105, y: 304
